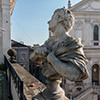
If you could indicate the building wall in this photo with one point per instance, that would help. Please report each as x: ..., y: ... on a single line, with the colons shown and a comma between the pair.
x: 22, y: 56
x: 87, y: 15
x: 83, y: 28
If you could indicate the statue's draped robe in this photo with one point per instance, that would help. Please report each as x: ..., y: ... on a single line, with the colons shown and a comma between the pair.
x: 66, y: 50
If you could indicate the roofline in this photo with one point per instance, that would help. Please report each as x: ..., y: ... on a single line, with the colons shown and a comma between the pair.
x: 78, y: 4
x: 20, y: 43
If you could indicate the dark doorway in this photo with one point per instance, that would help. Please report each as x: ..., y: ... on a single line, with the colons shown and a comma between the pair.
x: 98, y: 97
x: 95, y: 74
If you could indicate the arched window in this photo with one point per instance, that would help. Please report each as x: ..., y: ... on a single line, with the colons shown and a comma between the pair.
x: 96, y: 33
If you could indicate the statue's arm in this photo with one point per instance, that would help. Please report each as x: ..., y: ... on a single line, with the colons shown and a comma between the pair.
x: 39, y: 54
x: 66, y: 70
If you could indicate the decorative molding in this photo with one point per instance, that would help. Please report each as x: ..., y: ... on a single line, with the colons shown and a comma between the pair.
x: 95, y: 22
x: 97, y: 3
x: 87, y: 20
x: 93, y: 62
x: 76, y: 6
x: 89, y: 5
x: 86, y: 6
x: 78, y: 24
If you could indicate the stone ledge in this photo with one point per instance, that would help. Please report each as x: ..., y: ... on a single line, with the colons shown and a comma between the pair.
x: 29, y: 92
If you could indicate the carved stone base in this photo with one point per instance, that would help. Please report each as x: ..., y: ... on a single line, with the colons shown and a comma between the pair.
x: 52, y: 92
x: 41, y: 97
x: 38, y: 97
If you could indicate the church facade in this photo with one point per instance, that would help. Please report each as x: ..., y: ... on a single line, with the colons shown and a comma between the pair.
x: 87, y: 27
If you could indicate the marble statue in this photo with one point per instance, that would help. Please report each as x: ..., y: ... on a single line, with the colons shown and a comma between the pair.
x: 61, y: 55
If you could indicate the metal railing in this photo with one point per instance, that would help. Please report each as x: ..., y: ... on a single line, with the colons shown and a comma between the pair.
x: 13, y: 76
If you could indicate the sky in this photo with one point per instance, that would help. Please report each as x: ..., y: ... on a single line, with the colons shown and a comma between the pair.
x: 30, y: 17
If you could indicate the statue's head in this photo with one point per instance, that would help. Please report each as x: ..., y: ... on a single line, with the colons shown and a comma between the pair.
x: 64, y: 17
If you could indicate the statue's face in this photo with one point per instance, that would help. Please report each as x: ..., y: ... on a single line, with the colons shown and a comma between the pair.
x: 53, y: 23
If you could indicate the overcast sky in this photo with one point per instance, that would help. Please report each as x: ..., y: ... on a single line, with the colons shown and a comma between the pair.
x: 30, y: 17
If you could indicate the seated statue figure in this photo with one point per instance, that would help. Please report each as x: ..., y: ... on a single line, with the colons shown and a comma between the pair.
x: 61, y: 55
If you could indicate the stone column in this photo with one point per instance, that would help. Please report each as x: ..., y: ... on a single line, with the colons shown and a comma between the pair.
x: 5, y: 5
x: 54, y: 91
x: 1, y: 36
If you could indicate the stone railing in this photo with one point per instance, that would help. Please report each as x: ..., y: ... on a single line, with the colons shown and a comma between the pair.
x: 23, y: 85
x: 88, y: 89
x: 83, y: 94
x: 14, y: 80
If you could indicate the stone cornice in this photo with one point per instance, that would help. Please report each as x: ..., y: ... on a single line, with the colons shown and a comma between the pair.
x: 86, y: 12
x: 92, y: 49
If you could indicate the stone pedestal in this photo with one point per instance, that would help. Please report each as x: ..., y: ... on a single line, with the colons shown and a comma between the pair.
x: 52, y: 92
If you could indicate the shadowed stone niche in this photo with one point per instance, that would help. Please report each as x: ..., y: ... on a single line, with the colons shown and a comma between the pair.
x: 61, y: 56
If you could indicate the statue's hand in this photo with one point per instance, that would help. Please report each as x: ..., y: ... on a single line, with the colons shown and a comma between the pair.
x: 50, y: 57
x: 41, y: 51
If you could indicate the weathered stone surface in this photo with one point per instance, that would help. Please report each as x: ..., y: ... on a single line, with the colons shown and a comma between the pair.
x: 38, y: 97
x: 28, y: 79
